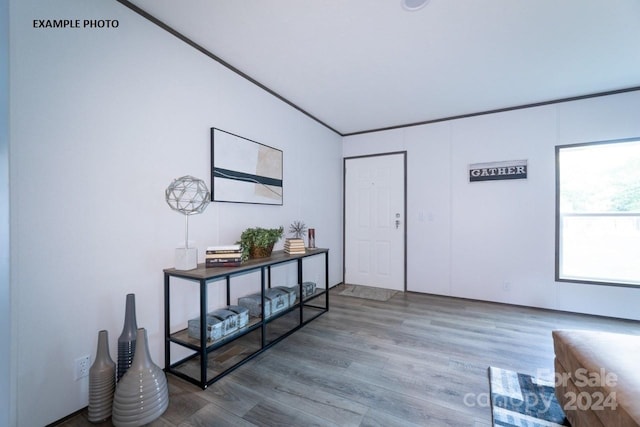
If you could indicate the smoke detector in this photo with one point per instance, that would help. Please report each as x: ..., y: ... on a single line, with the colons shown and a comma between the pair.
x: 413, y: 5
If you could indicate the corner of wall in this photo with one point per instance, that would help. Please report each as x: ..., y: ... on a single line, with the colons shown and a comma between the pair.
x: 6, y: 373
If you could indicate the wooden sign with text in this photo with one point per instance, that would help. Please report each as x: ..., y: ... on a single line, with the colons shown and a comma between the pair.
x: 494, y: 171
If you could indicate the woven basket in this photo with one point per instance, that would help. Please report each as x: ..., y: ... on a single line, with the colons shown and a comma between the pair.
x: 260, y: 251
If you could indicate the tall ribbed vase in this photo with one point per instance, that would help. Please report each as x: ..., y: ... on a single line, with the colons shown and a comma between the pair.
x: 127, y: 339
x: 102, y: 381
x: 142, y: 395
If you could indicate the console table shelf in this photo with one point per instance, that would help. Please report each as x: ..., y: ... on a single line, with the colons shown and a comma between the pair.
x: 210, y: 361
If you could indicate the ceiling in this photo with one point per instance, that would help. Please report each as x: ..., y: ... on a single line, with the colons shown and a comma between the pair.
x: 362, y: 65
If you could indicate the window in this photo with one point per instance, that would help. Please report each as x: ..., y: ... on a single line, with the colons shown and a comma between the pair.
x: 598, y: 213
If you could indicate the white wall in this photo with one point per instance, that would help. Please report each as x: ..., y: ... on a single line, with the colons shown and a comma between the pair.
x: 101, y: 122
x: 6, y: 396
x: 472, y: 240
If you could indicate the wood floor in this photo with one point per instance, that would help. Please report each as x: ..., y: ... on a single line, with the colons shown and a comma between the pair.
x: 415, y: 360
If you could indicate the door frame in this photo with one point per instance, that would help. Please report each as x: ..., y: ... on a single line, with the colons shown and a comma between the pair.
x: 344, y: 209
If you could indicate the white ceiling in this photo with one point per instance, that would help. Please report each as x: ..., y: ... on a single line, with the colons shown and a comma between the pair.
x: 359, y: 65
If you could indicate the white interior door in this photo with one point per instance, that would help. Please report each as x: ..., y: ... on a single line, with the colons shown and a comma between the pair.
x: 375, y: 221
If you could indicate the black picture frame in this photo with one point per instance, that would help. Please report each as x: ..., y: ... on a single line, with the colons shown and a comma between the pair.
x: 245, y: 171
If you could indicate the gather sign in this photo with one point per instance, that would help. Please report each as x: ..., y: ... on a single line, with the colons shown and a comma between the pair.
x: 494, y: 171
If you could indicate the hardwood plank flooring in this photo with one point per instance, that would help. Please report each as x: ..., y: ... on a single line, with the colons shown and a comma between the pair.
x: 415, y: 360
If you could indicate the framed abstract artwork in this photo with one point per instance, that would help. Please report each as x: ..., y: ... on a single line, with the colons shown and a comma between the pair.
x: 244, y: 171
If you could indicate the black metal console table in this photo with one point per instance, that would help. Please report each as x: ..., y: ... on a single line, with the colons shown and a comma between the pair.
x: 209, y: 362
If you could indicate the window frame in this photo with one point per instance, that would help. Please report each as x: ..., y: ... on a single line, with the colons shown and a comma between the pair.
x: 558, y: 218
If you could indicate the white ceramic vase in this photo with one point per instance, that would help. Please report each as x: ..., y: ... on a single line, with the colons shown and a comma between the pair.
x: 142, y: 394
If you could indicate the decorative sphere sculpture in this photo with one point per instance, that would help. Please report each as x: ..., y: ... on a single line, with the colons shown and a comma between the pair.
x: 188, y: 195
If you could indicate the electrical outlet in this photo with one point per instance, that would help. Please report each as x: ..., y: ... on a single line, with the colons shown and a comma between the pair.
x: 82, y: 367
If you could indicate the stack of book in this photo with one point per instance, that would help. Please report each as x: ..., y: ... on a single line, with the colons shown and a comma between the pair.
x: 294, y: 246
x: 223, y: 256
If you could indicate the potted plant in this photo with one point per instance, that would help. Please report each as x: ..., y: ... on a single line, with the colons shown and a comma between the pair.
x: 258, y: 242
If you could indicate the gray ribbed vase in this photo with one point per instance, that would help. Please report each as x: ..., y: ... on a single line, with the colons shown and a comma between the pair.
x: 142, y: 394
x: 102, y: 381
x: 127, y: 339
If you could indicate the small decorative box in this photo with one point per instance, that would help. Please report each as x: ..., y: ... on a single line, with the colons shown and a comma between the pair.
x: 214, y: 329
x: 242, y: 313
x: 279, y: 300
x: 291, y: 292
x: 229, y: 320
x: 253, y: 304
x: 308, y: 289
